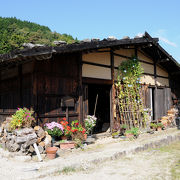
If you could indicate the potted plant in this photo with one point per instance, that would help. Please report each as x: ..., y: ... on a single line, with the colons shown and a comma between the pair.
x: 135, y: 131
x: 153, y: 126
x: 51, y: 152
x: 90, y: 122
x: 159, y: 126
x: 64, y: 144
x: 77, y: 131
x: 54, y: 129
x: 67, y: 129
x: 22, y: 118
x: 129, y: 134
x: 123, y: 129
x: 115, y: 134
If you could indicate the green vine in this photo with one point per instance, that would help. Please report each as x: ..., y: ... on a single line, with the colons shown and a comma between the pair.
x: 128, y: 91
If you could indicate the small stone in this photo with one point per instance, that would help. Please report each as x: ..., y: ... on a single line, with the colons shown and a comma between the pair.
x: 42, y: 144
x: 36, y: 128
x: 40, y: 132
x: 24, y: 131
x: 21, y: 140
x: 29, y: 142
x: 38, y: 140
x: 47, y: 141
x: 31, y: 149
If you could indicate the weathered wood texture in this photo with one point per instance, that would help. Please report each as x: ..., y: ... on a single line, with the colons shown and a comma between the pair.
x: 15, y: 91
x: 57, y: 78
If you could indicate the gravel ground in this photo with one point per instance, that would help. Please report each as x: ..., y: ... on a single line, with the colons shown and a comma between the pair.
x: 12, y: 169
x: 161, y: 164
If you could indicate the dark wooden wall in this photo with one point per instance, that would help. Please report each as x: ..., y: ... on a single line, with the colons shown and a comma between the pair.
x: 56, y: 78
x: 15, y: 89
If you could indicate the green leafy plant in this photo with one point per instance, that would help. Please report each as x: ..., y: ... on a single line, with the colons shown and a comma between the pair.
x: 153, y: 125
x: 54, y: 129
x: 135, y: 131
x: 77, y: 130
x: 22, y: 118
x: 115, y: 134
x: 124, y: 126
x: 128, y: 93
x: 159, y: 125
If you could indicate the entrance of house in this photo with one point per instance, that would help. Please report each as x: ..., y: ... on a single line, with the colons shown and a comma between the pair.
x: 99, y: 103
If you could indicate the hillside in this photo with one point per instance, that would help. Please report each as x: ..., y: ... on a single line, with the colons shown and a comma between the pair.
x: 14, y: 32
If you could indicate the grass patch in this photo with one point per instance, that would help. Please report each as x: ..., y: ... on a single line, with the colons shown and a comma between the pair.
x: 68, y: 170
x: 175, y: 170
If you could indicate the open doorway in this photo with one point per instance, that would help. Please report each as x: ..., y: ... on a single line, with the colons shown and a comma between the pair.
x: 101, y: 95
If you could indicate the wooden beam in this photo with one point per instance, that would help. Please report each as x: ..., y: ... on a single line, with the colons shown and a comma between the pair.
x: 96, y: 64
x: 128, y: 57
x: 87, y: 80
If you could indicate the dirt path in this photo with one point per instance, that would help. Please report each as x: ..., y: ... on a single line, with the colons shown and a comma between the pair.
x: 140, y: 166
x: 162, y: 163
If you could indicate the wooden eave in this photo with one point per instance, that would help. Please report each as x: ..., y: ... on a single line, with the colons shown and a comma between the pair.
x: 147, y: 44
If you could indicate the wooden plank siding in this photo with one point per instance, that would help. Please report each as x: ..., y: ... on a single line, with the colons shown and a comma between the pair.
x: 42, y: 84
x: 58, y: 77
x: 15, y: 91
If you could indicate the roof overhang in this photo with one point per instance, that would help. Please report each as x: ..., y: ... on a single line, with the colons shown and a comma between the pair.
x: 148, y: 44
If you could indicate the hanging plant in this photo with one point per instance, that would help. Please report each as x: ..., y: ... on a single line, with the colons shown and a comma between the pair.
x: 128, y: 91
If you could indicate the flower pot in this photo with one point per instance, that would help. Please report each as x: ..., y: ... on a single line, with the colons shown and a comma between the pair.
x: 129, y: 135
x: 63, y: 137
x: 159, y: 128
x: 85, y: 136
x: 67, y: 145
x: 51, y: 152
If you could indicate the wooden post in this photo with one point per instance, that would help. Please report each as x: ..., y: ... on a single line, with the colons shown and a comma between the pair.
x: 155, y: 92
x: 81, y: 116
x: 20, y: 85
x: 67, y: 114
x: 112, y: 91
x: 35, y: 92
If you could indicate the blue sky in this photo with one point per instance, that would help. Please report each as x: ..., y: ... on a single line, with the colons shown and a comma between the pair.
x: 103, y: 18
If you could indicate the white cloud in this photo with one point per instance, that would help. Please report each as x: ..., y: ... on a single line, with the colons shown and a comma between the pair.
x: 165, y: 40
x: 140, y: 34
x: 162, y: 34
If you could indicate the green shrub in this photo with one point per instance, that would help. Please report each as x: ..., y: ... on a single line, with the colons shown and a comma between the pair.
x: 22, y: 118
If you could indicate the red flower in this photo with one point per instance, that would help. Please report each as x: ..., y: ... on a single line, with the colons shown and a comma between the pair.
x: 64, y: 119
x: 77, y: 124
x: 83, y: 131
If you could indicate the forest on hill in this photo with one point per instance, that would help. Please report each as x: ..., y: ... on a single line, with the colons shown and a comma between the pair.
x: 15, y: 32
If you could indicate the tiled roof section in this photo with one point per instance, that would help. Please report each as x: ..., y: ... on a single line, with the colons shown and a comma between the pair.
x: 149, y: 44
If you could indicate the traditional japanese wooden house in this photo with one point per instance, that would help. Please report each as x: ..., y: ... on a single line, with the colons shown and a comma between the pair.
x: 65, y: 80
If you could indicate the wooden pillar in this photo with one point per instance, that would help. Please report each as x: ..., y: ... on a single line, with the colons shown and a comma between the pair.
x: 135, y: 52
x: 80, y: 88
x: 112, y: 91
x: 20, y: 85
x: 35, y: 92
x: 155, y: 91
